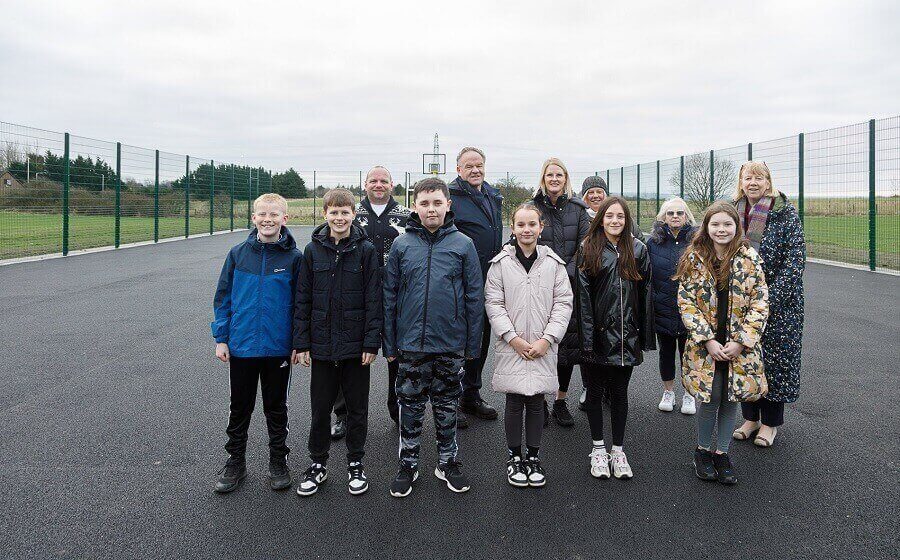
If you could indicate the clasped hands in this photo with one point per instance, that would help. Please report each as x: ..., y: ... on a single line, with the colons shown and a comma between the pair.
x: 530, y: 351
x: 726, y: 353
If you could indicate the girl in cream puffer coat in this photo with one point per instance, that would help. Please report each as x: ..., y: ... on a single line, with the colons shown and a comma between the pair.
x: 528, y: 299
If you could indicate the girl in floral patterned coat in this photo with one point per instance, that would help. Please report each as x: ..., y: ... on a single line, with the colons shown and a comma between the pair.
x: 723, y: 300
x: 772, y: 226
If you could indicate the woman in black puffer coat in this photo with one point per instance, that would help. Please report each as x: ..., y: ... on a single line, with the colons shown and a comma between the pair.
x: 672, y: 232
x: 566, y: 223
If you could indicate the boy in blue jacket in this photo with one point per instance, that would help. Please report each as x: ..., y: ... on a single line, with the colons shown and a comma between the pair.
x: 433, y: 310
x: 337, y: 328
x: 253, y: 333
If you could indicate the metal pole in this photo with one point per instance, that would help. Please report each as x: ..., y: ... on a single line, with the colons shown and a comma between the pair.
x: 622, y: 181
x: 750, y: 151
x: 156, y: 200
x: 607, y: 180
x: 712, y: 178
x: 639, y: 194
x: 65, y: 201
x: 800, y: 178
x: 249, y: 192
x: 212, y: 194
x: 187, y: 196
x: 657, y: 186
x: 314, y: 198
x: 681, y: 178
x: 231, y: 185
x: 872, y: 207
x: 118, y: 192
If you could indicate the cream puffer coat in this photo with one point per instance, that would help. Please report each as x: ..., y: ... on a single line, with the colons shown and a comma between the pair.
x: 532, y: 305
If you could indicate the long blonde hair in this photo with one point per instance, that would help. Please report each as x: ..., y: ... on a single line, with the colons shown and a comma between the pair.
x: 542, y: 186
x: 756, y: 167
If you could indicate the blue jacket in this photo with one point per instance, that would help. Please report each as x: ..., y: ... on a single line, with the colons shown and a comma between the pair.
x: 433, y: 292
x: 470, y: 217
x: 337, y: 315
x: 255, y: 297
x: 665, y: 251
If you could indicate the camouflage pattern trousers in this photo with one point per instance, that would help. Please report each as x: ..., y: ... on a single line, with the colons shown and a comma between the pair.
x: 422, y: 377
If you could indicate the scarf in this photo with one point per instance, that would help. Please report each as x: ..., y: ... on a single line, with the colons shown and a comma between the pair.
x: 759, y: 215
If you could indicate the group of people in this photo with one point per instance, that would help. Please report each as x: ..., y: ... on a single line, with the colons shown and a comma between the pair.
x: 577, y: 283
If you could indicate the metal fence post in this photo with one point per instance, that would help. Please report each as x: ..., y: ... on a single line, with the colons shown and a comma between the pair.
x: 231, y: 184
x: 249, y: 208
x: 187, y: 196
x: 872, y: 207
x: 65, y: 200
x: 749, y: 151
x: 639, y: 194
x: 314, y: 198
x: 607, y: 181
x: 712, y: 178
x: 156, y: 198
x: 801, y: 197
x: 118, y: 192
x: 681, y: 178
x: 212, y: 194
x: 657, y: 186
x: 622, y: 181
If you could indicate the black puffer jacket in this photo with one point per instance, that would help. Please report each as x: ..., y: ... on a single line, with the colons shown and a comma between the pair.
x: 566, y: 223
x: 337, y: 310
x: 665, y: 251
x: 616, y: 323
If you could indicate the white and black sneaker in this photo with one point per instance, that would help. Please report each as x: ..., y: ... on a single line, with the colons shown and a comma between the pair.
x: 536, y: 475
x: 450, y: 473
x: 403, y: 482
x: 312, y: 478
x: 516, y: 474
x: 356, y: 476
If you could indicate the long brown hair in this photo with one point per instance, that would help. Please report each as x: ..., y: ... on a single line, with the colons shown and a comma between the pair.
x: 596, y: 240
x: 704, y: 247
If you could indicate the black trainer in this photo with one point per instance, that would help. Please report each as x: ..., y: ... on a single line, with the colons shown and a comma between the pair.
x: 461, y: 421
x: 450, y: 473
x: 561, y: 413
x: 339, y: 428
x: 724, y: 471
x: 279, y: 473
x: 356, y: 476
x: 403, y: 482
x: 516, y: 473
x: 703, y: 464
x: 313, y: 477
x: 231, y: 475
x: 478, y: 408
x: 536, y: 475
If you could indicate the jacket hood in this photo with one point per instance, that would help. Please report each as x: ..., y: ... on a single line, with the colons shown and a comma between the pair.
x: 320, y: 235
x: 285, y: 241
x: 509, y: 250
x: 414, y: 225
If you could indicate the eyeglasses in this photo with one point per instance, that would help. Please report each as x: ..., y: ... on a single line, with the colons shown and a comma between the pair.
x: 671, y: 213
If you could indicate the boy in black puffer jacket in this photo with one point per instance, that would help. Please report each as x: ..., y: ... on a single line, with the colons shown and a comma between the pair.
x: 337, y: 326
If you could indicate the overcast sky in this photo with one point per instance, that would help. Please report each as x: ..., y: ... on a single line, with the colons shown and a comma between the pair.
x: 343, y: 85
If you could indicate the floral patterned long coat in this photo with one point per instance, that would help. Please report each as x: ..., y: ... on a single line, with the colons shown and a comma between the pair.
x: 748, y: 310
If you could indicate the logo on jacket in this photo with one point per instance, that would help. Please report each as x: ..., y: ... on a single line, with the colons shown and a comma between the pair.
x: 279, y: 270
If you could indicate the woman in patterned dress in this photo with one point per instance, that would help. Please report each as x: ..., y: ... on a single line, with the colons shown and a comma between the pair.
x: 773, y: 228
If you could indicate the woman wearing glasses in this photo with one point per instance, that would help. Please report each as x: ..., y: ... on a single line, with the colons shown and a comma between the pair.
x: 773, y: 228
x: 671, y: 234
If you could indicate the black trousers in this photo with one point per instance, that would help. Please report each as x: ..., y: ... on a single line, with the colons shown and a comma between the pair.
x: 765, y: 411
x: 471, y: 382
x: 244, y: 374
x: 667, y: 347
x: 340, y: 407
x: 610, y: 384
x: 532, y: 407
x: 326, y: 379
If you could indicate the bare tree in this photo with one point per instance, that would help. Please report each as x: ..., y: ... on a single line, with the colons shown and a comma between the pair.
x: 9, y: 155
x: 697, y: 183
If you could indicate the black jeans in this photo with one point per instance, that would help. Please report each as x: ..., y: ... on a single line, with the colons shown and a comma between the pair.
x: 471, y: 382
x: 610, y: 384
x: 244, y: 374
x: 769, y: 413
x: 327, y: 378
x: 533, y: 408
x: 667, y: 346
x: 340, y: 407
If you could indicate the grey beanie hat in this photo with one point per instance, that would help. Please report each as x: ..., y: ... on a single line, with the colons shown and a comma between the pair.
x: 593, y: 182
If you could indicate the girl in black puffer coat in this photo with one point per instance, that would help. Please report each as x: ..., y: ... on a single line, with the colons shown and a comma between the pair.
x: 671, y: 233
x: 566, y: 223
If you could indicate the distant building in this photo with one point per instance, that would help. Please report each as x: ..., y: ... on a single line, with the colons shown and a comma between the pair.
x: 7, y: 181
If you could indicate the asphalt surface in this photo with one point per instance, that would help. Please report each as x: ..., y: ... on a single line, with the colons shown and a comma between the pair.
x: 113, y: 410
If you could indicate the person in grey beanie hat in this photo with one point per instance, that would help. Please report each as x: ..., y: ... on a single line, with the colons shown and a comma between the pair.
x: 593, y: 191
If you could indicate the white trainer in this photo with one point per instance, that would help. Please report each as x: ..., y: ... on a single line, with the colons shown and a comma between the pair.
x: 599, y: 463
x: 667, y: 404
x: 620, y: 467
x: 688, y: 405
